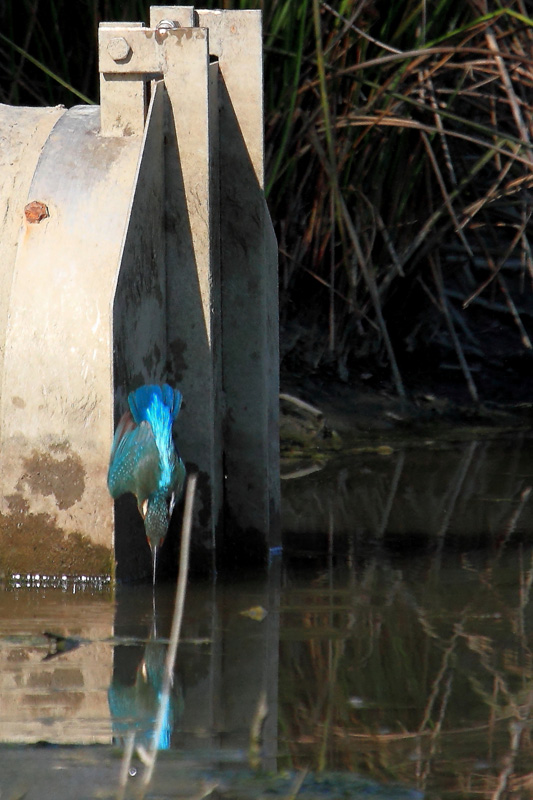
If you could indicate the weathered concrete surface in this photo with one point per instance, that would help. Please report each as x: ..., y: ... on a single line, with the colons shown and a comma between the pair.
x: 139, y: 321
x: 61, y: 700
x: 56, y: 409
x: 23, y: 133
x: 147, y: 258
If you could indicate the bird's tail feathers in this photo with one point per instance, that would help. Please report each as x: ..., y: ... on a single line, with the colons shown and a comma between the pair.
x: 141, y: 400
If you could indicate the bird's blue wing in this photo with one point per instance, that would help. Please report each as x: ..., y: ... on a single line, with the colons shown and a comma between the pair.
x: 125, y: 426
x: 178, y: 476
x: 134, y: 462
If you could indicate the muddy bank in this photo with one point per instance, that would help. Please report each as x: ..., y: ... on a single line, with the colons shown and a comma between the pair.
x: 321, y: 415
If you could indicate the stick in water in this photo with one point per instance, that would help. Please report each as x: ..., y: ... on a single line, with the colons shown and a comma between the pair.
x: 176, y: 628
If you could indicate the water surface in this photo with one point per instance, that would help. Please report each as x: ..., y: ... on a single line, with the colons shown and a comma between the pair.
x: 390, y: 648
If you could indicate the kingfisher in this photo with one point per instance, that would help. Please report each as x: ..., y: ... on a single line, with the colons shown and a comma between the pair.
x: 145, y: 462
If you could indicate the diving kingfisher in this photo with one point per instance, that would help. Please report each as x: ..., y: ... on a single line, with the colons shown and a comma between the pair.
x: 145, y: 462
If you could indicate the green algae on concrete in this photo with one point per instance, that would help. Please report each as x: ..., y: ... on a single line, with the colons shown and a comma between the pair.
x: 32, y: 543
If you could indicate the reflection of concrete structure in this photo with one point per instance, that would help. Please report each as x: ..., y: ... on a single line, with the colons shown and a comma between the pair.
x: 137, y: 247
x: 63, y: 699
x: 240, y: 668
x: 227, y: 661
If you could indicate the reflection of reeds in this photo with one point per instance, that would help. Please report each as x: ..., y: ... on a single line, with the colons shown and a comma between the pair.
x: 442, y: 493
x: 413, y: 677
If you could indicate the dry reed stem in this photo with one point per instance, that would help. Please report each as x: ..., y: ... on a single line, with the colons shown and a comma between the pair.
x: 179, y: 605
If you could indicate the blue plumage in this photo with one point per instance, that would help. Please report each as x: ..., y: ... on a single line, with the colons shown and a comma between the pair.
x: 142, y: 400
x: 144, y: 460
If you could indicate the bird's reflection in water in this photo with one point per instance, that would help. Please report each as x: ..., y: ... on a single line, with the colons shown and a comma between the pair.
x: 135, y: 693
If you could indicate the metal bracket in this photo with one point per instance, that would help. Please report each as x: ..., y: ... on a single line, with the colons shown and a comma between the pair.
x: 130, y: 56
x: 221, y: 254
x: 142, y: 50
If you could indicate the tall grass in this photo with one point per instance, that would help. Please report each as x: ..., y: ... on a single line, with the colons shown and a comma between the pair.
x: 403, y: 193
x: 399, y: 167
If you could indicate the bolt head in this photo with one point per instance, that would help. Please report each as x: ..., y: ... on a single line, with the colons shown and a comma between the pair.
x: 118, y: 48
x: 36, y: 211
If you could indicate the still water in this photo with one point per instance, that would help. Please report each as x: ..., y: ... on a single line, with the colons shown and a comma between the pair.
x: 389, y: 653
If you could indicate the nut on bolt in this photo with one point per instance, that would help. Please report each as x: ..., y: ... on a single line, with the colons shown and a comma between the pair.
x: 167, y: 25
x: 118, y: 48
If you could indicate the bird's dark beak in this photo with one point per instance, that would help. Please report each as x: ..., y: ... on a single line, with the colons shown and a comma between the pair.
x: 154, y: 548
